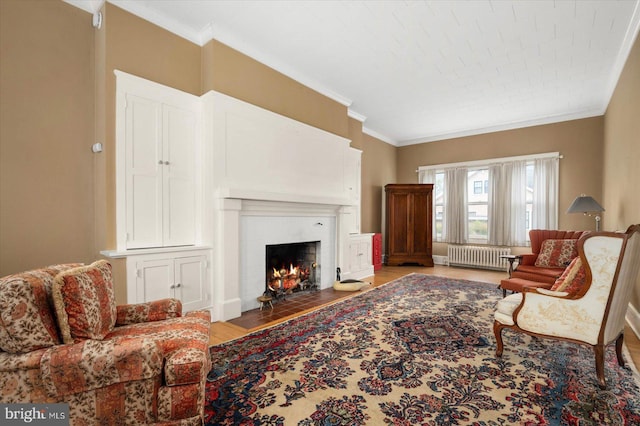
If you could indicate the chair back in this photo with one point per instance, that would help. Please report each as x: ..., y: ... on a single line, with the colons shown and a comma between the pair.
x: 624, y: 282
x: 537, y: 236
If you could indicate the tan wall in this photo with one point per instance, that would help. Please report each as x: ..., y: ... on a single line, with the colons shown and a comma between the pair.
x: 378, y: 169
x: 46, y: 133
x: 622, y: 153
x: 579, y: 141
x: 230, y: 72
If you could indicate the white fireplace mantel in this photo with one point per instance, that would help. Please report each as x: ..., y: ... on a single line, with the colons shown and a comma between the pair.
x: 246, y: 226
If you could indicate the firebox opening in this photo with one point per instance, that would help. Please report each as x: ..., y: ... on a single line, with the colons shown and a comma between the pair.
x: 291, y: 268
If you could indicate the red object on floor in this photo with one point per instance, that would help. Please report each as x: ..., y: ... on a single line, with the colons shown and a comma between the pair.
x: 377, y: 251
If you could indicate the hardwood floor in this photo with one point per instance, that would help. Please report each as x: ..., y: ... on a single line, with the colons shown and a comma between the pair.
x: 301, y: 303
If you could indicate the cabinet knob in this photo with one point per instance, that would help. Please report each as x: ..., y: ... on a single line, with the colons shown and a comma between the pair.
x: 160, y: 162
x: 166, y: 163
x: 178, y: 285
x: 172, y: 287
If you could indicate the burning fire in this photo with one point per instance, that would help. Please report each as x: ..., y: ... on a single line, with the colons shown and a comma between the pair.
x: 288, y: 279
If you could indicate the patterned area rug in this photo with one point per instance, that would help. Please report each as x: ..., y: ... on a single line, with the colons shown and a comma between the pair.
x: 418, y: 350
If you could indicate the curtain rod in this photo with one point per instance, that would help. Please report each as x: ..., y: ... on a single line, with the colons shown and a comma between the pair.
x: 491, y: 161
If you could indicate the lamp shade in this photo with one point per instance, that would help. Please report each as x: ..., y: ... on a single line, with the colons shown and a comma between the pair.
x: 585, y: 204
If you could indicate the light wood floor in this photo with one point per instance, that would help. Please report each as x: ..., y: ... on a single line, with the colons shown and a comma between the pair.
x: 225, y: 331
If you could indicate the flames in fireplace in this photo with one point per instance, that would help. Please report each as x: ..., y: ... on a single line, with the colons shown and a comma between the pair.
x: 288, y: 279
x: 291, y: 267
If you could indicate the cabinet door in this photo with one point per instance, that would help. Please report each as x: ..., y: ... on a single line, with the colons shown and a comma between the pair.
x: 155, y: 279
x: 179, y: 205
x: 354, y: 257
x: 364, y: 249
x: 400, y: 221
x: 420, y: 213
x: 143, y: 173
x: 190, y: 280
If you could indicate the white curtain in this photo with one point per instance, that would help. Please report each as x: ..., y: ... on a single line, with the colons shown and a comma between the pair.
x: 518, y: 213
x: 454, y: 224
x: 427, y: 176
x: 545, y: 194
x: 499, y: 223
x: 507, y: 204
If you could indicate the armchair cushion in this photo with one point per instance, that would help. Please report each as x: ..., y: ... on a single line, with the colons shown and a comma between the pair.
x: 95, y: 364
x: 85, y: 302
x: 26, y: 319
x: 572, y: 279
x: 156, y: 310
x: 557, y: 253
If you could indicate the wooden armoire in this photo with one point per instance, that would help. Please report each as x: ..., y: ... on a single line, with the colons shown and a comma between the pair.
x: 409, y: 210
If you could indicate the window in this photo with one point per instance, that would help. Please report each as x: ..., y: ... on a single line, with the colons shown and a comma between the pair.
x: 524, y: 196
x: 477, y: 205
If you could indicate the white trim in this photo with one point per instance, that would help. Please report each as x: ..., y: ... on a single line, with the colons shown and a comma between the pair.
x: 140, y: 9
x: 357, y: 116
x: 490, y: 161
x: 117, y: 254
x: 91, y: 6
x: 380, y: 136
x: 623, y: 54
x: 538, y: 121
x: 633, y: 319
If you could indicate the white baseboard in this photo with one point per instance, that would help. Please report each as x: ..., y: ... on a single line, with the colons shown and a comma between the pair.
x: 633, y: 319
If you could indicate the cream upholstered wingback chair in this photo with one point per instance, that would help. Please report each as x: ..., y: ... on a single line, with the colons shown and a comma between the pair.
x: 595, y: 314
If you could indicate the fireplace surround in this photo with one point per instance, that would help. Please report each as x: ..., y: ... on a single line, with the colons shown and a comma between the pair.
x: 257, y: 231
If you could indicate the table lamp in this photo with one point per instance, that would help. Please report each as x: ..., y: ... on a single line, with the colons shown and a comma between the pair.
x: 588, y: 206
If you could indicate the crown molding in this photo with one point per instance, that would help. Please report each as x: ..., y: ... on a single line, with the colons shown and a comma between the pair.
x: 379, y: 136
x: 91, y: 6
x: 629, y: 38
x: 356, y: 116
x: 507, y: 126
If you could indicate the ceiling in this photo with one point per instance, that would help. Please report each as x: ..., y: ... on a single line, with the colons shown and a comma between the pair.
x: 419, y: 71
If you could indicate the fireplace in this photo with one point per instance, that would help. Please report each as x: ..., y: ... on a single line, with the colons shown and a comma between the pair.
x: 310, y: 231
x: 291, y: 268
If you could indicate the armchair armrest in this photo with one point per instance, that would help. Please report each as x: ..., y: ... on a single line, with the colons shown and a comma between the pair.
x: 157, y: 310
x: 528, y: 259
x: 546, y: 292
x: 93, y: 364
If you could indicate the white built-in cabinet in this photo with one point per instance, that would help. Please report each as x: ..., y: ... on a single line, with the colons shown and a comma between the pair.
x: 159, y: 187
x: 360, y: 256
x: 180, y: 275
x: 157, y: 167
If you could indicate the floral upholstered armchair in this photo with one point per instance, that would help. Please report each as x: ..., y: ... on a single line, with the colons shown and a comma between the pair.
x: 63, y: 339
x: 591, y: 312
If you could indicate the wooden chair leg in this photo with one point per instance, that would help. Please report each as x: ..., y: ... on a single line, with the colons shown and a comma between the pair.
x: 619, y: 342
x: 599, y: 352
x: 497, y: 331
